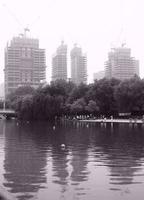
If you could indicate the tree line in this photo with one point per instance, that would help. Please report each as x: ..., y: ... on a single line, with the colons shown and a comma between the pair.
x: 60, y: 98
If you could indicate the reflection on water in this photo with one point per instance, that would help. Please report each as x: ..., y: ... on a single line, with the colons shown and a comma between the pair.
x: 24, y: 160
x: 97, y: 161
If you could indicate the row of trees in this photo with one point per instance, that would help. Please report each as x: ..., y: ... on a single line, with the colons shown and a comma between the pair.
x: 103, y: 97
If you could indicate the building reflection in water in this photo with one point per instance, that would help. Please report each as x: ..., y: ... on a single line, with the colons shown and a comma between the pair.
x: 34, y: 152
x: 59, y: 157
x: 25, y: 160
x: 60, y: 168
x: 77, y: 138
x: 79, y: 161
x: 70, y: 163
x: 125, y: 159
x: 121, y: 150
x: 79, y: 142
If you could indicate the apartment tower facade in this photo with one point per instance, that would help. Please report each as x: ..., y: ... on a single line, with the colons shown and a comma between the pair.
x: 25, y: 63
x: 78, y: 66
x: 121, y: 64
x: 59, y: 63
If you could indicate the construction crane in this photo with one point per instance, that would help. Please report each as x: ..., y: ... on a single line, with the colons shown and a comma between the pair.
x: 26, y: 30
x: 23, y: 33
x: 21, y: 26
x: 123, y: 44
x: 11, y: 13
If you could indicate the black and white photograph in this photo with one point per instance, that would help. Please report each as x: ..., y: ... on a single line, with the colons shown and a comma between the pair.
x: 71, y: 99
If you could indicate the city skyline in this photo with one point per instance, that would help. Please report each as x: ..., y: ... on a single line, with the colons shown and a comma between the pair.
x: 106, y: 24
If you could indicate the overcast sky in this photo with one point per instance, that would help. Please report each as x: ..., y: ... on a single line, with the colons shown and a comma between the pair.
x: 96, y: 25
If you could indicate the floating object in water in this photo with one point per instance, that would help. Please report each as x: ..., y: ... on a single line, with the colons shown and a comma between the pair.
x: 17, y: 123
x: 63, y: 146
x: 87, y: 125
x: 54, y: 127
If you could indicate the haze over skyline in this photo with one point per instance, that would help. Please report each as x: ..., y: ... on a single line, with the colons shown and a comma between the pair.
x: 95, y: 25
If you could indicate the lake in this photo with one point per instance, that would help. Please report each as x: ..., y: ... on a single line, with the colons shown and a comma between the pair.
x: 72, y: 160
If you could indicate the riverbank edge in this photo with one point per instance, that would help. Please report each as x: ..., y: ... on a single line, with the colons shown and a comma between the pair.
x: 129, y: 121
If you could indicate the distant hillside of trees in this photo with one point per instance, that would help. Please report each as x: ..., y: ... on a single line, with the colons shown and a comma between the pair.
x: 103, y: 97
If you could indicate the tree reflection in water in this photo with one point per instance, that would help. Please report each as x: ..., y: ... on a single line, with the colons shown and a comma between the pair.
x: 24, y: 162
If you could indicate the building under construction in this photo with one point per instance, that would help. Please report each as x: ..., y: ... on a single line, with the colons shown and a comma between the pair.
x: 25, y: 63
x: 59, y: 63
x: 120, y: 64
x: 78, y: 66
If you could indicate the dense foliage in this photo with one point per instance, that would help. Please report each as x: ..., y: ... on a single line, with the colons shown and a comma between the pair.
x: 103, y: 97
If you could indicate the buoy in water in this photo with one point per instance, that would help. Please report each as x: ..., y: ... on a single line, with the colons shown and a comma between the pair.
x: 62, y: 146
x: 54, y: 127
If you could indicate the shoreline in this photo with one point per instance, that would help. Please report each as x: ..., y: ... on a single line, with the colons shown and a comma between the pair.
x: 128, y: 121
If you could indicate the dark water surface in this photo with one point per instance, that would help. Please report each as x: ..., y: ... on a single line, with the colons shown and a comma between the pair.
x: 98, y: 162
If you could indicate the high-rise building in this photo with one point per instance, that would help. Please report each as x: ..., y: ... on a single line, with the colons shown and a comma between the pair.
x: 78, y: 66
x: 24, y: 63
x: 59, y: 63
x: 120, y: 64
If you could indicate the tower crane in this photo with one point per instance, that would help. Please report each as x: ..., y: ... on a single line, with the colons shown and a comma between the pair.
x: 21, y: 26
